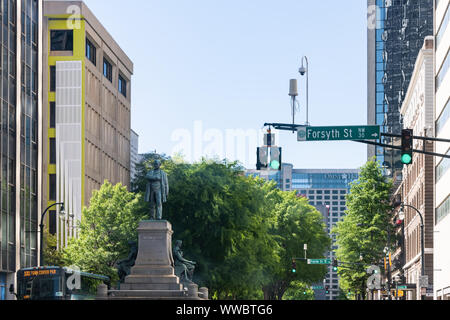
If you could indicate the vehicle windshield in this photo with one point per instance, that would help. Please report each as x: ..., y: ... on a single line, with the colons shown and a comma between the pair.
x: 42, y: 288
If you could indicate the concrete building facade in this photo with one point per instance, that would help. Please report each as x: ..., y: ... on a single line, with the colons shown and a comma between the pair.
x: 86, y: 113
x: 442, y: 180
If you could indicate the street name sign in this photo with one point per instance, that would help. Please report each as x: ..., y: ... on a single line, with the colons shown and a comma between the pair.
x: 307, y: 133
x: 317, y: 287
x: 319, y: 261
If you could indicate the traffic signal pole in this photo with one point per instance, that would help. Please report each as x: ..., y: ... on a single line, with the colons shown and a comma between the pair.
x: 294, y: 127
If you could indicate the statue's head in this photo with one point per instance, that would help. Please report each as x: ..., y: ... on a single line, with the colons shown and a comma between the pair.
x: 157, y: 164
x: 178, y: 243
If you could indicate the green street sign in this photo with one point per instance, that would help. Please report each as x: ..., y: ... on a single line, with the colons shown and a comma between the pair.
x: 338, y: 133
x: 317, y: 287
x: 402, y: 287
x: 319, y: 261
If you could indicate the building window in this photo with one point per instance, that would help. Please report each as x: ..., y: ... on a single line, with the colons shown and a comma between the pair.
x: 91, y: 52
x: 61, y: 40
x: 52, y: 115
x: 442, y: 168
x: 440, y: 123
x: 122, y: 86
x: 52, y: 151
x: 52, y: 78
x: 442, y: 211
x: 107, y: 69
x: 52, y: 187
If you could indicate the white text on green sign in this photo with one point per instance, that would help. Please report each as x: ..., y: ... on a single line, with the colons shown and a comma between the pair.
x: 338, y: 133
x: 319, y: 261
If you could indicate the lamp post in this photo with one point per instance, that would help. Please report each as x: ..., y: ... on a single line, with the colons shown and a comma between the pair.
x: 305, y: 70
x: 41, y: 228
x: 422, y: 240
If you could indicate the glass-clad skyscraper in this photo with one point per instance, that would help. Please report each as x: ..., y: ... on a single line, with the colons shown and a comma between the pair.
x: 396, y: 31
x: 19, y: 101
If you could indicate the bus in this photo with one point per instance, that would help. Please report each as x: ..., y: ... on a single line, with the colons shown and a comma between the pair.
x: 57, y: 283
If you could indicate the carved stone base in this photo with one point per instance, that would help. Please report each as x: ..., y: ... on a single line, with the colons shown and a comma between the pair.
x: 152, y: 276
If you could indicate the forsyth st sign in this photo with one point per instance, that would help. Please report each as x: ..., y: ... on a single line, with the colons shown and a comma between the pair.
x: 338, y: 133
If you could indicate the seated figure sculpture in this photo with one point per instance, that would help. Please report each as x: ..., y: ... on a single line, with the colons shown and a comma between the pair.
x: 184, y: 269
x: 124, y: 266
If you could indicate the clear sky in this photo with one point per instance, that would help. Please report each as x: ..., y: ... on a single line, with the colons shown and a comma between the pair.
x: 205, y: 67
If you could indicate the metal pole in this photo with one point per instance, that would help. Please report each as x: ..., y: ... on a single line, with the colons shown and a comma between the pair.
x: 422, y: 241
x: 307, y: 91
x: 41, y: 229
x: 389, y: 266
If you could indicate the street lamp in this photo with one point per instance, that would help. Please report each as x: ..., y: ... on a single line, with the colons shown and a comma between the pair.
x: 422, y: 240
x: 41, y: 227
x: 305, y: 70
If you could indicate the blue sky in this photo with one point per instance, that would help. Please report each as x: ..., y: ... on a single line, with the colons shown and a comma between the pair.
x: 228, y: 65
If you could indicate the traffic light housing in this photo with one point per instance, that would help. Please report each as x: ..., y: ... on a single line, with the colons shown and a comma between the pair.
x: 262, y: 158
x: 335, y: 265
x: 327, y: 289
x: 407, y: 146
x: 294, y: 266
x: 268, y: 158
x: 275, y: 158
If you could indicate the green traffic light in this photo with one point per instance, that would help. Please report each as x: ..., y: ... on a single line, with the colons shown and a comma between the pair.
x: 294, y: 271
x: 275, y: 165
x: 406, y: 158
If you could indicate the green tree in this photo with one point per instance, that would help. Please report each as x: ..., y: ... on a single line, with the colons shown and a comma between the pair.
x: 299, y: 291
x: 52, y: 256
x: 219, y: 215
x: 297, y: 223
x: 106, y: 227
x: 362, y: 235
x: 241, y: 231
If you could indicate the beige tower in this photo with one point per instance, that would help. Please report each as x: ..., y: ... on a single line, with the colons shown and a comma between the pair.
x: 86, y: 112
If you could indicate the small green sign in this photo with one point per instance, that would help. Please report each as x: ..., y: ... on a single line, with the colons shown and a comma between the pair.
x: 338, y: 133
x: 317, y: 287
x: 319, y: 261
x: 402, y: 287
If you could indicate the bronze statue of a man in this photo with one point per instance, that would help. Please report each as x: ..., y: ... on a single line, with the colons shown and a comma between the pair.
x: 157, y: 190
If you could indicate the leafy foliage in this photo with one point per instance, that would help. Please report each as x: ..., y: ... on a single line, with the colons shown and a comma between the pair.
x: 105, y: 229
x: 363, y: 232
x: 52, y: 256
x: 242, y: 231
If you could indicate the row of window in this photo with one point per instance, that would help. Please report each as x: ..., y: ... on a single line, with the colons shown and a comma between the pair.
x: 442, y: 168
x: 443, y: 72
x: 440, y: 123
x: 443, y: 27
x: 323, y: 191
x: 443, y: 210
x: 62, y: 40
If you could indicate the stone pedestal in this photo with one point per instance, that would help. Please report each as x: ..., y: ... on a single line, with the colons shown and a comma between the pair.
x: 152, y: 276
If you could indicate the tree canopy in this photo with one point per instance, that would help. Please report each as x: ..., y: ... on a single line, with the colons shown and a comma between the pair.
x: 362, y: 235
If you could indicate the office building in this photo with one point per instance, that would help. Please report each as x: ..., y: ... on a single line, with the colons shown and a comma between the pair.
x: 86, y: 112
x: 418, y: 178
x: 326, y: 189
x: 20, y: 155
x: 396, y: 31
x: 442, y: 180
